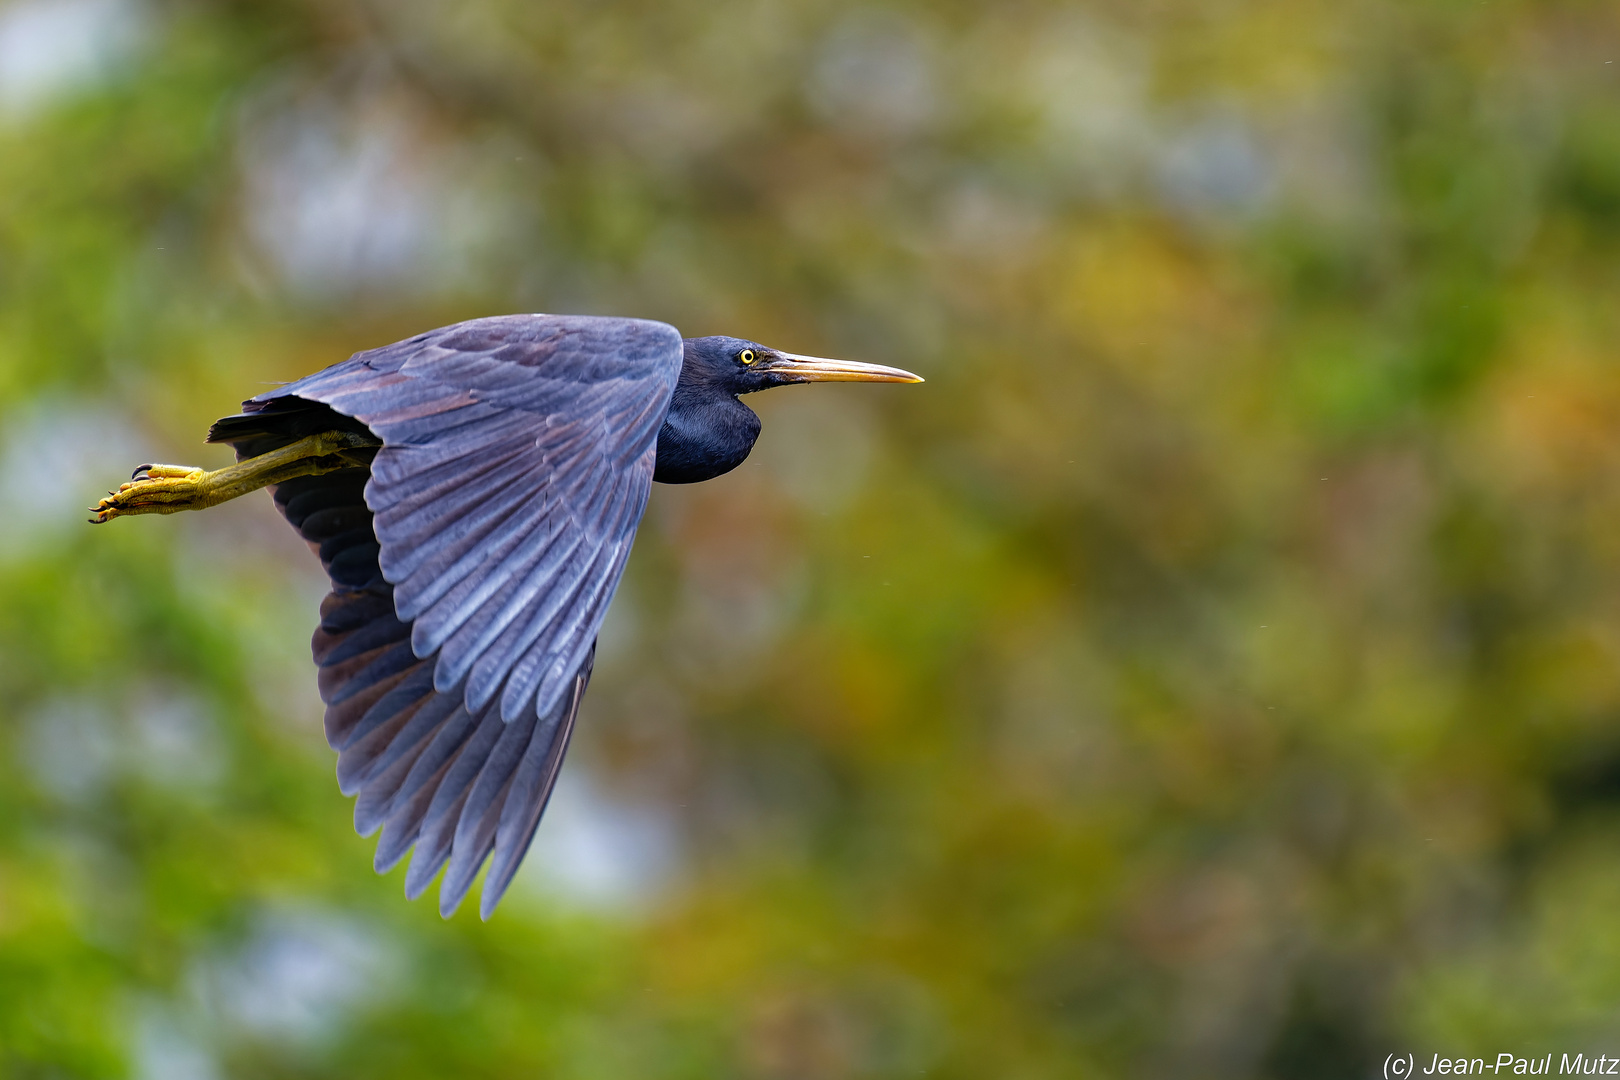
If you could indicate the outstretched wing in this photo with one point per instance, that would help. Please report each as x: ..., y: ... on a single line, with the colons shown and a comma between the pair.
x: 516, y: 462
x: 470, y: 580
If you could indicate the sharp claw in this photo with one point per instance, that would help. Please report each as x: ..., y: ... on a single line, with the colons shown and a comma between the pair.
x: 136, y: 475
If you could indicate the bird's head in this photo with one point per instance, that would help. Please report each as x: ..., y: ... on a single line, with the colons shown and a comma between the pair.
x: 737, y: 366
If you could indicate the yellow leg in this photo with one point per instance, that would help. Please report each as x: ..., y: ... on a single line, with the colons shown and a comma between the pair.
x: 168, y: 489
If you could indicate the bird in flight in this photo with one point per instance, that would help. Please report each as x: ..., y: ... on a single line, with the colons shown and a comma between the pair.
x: 472, y: 493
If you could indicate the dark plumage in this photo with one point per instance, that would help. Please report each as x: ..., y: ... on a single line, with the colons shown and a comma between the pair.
x: 474, y: 555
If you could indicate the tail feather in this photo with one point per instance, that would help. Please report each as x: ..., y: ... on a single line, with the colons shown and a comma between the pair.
x: 269, y: 425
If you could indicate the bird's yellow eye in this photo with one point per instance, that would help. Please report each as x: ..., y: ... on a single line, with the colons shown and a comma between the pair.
x: 746, y: 356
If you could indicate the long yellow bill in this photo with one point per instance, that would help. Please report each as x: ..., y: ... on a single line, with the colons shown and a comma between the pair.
x: 820, y: 369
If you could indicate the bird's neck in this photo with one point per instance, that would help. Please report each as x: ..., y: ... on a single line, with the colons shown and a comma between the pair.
x: 704, y: 435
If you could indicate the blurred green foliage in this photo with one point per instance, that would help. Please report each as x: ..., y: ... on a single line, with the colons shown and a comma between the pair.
x: 1213, y: 670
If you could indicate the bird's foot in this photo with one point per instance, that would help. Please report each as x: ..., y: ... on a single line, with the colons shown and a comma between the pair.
x: 157, y: 489
x: 167, y: 489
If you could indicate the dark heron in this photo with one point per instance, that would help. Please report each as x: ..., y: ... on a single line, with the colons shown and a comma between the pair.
x: 472, y: 493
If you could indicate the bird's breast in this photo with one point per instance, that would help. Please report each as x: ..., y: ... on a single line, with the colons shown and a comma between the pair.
x: 702, y: 440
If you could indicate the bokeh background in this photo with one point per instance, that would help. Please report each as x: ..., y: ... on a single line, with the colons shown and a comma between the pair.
x: 1212, y: 670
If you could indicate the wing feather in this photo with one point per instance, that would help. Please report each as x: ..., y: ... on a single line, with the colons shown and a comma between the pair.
x: 404, y: 824
x: 526, y: 799
x: 522, y: 530
x: 480, y: 814
x: 438, y: 827
x: 440, y: 751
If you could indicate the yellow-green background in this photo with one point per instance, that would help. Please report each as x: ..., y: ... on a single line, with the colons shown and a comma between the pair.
x: 1212, y: 670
